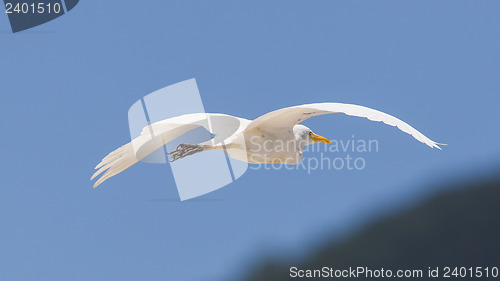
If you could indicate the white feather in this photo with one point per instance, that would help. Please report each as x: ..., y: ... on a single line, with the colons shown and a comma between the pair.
x: 228, y: 129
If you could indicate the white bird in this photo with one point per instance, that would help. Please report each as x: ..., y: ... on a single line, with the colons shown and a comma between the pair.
x: 275, y: 137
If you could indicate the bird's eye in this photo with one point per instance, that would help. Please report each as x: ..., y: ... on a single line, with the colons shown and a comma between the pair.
x: 310, y: 133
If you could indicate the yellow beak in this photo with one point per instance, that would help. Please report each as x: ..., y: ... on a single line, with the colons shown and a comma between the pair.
x: 318, y: 138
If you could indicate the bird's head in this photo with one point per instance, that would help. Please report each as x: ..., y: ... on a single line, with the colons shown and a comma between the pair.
x: 306, y: 136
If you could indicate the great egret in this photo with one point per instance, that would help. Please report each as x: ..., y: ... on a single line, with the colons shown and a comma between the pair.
x: 275, y: 137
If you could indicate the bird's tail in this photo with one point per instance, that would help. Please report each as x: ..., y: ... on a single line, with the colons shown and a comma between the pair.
x: 152, y: 137
x: 116, y: 162
x: 126, y: 156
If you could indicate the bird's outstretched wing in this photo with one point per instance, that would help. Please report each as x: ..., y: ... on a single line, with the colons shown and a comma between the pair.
x: 290, y: 116
x: 160, y: 133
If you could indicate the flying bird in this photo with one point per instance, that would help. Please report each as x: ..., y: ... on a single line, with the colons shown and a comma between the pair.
x: 275, y: 137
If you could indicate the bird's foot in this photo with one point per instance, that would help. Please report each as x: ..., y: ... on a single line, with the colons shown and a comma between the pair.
x: 184, y: 150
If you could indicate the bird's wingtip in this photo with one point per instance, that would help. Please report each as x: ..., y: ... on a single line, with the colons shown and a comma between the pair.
x: 437, y: 144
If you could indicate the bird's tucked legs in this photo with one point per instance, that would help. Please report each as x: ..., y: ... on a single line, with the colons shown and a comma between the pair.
x: 184, y: 150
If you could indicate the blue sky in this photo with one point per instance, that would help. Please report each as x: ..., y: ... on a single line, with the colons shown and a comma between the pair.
x: 67, y: 85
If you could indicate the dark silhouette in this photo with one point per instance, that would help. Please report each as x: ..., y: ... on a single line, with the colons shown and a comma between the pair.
x: 457, y: 228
